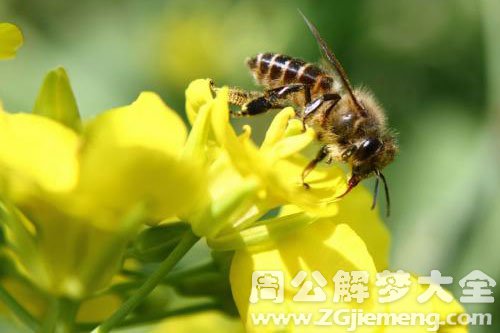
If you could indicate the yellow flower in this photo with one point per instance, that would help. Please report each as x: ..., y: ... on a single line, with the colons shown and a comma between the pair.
x: 278, y: 162
x: 11, y: 40
x: 354, y: 240
x: 71, y: 202
x: 246, y: 181
x: 314, y: 232
x: 133, y: 154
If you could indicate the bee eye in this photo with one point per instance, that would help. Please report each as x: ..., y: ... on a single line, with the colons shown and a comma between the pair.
x: 368, y: 148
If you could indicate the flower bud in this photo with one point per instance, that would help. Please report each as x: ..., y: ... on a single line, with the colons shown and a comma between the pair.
x: 56, y: 100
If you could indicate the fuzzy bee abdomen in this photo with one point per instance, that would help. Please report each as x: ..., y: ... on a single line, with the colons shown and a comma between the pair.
x: 275, y: 70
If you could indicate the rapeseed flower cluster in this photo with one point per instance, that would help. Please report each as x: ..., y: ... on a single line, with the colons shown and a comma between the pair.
x: 74, y: 196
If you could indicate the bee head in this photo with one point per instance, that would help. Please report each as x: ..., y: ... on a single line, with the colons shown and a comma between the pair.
x: 368, y: 159
x: 375, y: 150
x: 373, y: 154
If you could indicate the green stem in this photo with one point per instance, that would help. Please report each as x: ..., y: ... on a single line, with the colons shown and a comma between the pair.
x: 17, y: 309
x: 176, y: 275
x: 170, y: 279
x: 153, y: 280
x: 61, y: 316
x: 50, y: 317
x: 265, y: 231
x: 154, y: 317
x: 192, y: 271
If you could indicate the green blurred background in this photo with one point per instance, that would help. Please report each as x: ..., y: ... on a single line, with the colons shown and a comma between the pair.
x: 434, y: 65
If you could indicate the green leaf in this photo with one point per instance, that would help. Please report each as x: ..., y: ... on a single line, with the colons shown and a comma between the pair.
x: 56, y: 100
x: 156, y: 243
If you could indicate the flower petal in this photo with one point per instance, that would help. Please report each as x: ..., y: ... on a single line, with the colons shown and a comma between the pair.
x: 434, y: 307
x: 142, y: 145
x: 37, y: 152
x: 147, y: 122
x: 197, y: 140
x: 295, y: 126
x: 354, y: 210
x: 293, y: 144
x: 278, y: 127
x: 324, y: 247
x: 197, y: 94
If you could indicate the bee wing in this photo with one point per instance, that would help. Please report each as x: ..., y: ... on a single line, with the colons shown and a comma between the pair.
x: 331, y: 58
x: 327, y: 67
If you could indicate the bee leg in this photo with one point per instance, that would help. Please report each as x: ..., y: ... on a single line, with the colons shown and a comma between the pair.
x: 284, y: 91
x: 240, y: 97
x: 257, y: 106
x: 322, y: 153
x: 251, y: 102
x: 314, y: 105
x: 335, y: 98
x: 237, y: 96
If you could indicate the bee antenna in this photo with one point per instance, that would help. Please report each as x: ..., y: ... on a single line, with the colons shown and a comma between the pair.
x: 332, y: 59
x: 387, y: 196
x: 375, y: 190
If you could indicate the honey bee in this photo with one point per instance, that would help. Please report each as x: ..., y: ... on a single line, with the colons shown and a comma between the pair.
x: 348, y: 121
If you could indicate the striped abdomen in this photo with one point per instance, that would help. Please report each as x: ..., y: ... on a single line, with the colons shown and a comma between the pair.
x: 274, y: 70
